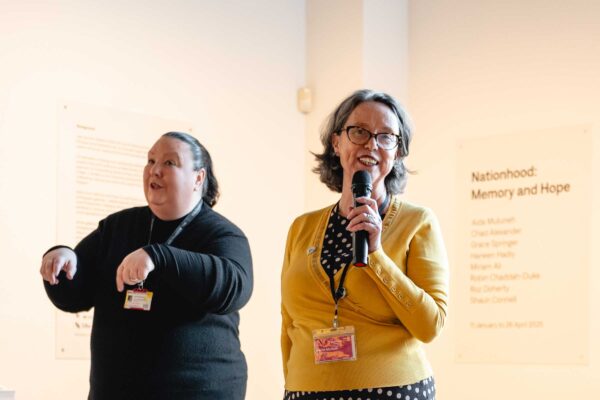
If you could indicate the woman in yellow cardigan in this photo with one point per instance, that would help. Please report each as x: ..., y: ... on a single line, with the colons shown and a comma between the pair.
x: 356, y: 332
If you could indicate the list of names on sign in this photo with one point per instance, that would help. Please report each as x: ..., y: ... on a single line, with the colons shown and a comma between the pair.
x: 517, y: 254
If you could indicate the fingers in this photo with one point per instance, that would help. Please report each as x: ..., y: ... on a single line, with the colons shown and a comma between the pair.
x: 57, y: 265
x: 126, y: 276
x: 366, y: 225
x: 366, y: 218
x: 364, y: 221
x: 70, y: 269
x: 134, y: 269
x: 137, y: 275
x: 46, y: 270
x: 56, y: 261
x: 132, y: 278
x: 119, y: 278
x: 365, y: 205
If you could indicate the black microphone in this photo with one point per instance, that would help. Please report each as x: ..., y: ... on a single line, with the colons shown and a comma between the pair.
x: 361, y: 187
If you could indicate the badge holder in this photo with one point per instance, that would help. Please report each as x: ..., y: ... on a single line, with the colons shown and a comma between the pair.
x: 337, y: 343
x: 334, y: 344
x: 138, y: 298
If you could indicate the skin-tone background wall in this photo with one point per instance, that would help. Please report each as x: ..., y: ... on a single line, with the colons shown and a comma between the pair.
x: 464, y: 69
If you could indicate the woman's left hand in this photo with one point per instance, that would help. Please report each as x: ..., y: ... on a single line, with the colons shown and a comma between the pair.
x: 134, y: 269
x: 366, y: 217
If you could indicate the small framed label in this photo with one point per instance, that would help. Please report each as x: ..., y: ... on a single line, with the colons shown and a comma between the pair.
x: 138, y: 299
x: 334, y: 344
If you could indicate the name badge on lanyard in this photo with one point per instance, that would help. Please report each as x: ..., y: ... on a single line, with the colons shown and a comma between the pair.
x: 334, y: 344
x: 140, y: 298
x: 337, y: 343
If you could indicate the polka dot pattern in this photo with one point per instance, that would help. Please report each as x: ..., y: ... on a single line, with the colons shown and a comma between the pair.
x: 337, y: 244
x: 422, y: 390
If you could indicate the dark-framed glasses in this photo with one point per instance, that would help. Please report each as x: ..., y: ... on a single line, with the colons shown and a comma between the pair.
x: 358, y: 135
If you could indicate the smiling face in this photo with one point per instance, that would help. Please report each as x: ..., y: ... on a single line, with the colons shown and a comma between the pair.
x: 171, y: 185
x: 377, y: 118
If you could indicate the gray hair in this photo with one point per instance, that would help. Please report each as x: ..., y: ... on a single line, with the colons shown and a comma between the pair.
x: 329, y: 167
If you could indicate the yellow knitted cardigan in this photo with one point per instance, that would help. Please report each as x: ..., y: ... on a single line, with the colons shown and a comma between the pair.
x: 395, y: 304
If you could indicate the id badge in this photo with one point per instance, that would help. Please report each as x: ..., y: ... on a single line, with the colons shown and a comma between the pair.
x: 334, y: 344
x: 138, y: 299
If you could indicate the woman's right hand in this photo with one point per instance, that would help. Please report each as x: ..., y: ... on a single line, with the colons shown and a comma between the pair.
x: 61, y: 259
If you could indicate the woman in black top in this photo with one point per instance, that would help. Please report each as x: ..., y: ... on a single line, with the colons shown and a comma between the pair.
x: 166, y: 282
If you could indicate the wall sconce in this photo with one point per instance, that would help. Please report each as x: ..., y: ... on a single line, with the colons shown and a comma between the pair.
x: 304, y: 98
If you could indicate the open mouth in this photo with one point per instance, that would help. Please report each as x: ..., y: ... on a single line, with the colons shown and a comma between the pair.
x: 368, y: 161
x: 155, y: 186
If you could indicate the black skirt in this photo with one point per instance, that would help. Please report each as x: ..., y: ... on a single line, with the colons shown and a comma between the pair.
x: 422, y: 390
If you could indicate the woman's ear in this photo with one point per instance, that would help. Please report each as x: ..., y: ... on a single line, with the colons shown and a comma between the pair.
x: 200, y: 177
x: 335, y: 143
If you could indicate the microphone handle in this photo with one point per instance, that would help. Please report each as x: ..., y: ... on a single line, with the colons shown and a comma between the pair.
x: 360, y: 243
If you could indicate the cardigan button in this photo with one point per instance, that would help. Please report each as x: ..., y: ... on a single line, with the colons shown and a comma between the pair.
x: 311, y: 250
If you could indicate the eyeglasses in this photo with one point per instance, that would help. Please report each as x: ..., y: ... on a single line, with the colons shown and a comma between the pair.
x: 358, y: 135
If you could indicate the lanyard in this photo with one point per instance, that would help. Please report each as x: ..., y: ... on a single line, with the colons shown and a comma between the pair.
x: 340, y: 292
x: 188, y: 218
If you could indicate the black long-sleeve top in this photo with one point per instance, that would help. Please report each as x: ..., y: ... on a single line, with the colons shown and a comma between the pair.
x: 187, y: 345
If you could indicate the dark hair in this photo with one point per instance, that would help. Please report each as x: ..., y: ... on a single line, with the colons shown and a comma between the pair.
x: 328, y: 164
x: 201, y: 157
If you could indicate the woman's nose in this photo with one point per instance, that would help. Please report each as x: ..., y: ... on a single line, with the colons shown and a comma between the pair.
x: 155, y: 169
x: 372, y: 143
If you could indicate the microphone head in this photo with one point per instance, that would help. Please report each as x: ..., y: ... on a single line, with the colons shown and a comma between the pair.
x: 361, y: 184
x: 361, y: 177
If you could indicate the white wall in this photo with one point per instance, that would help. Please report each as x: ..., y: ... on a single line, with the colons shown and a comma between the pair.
x: 464, y: 68
x: 365, y: 46
x: 481, y: 68
x: 231, y: 68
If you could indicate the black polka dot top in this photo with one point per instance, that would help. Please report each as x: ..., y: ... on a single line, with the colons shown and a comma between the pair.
x: 337, y: 244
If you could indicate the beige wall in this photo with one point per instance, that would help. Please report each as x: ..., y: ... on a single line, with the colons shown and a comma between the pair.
x: 230, y: 68
x: 482, y: 68
x: 365, y: 46
x: 464, y: 68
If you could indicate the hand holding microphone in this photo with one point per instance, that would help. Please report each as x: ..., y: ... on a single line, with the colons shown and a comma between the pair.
x: 365, y: 223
